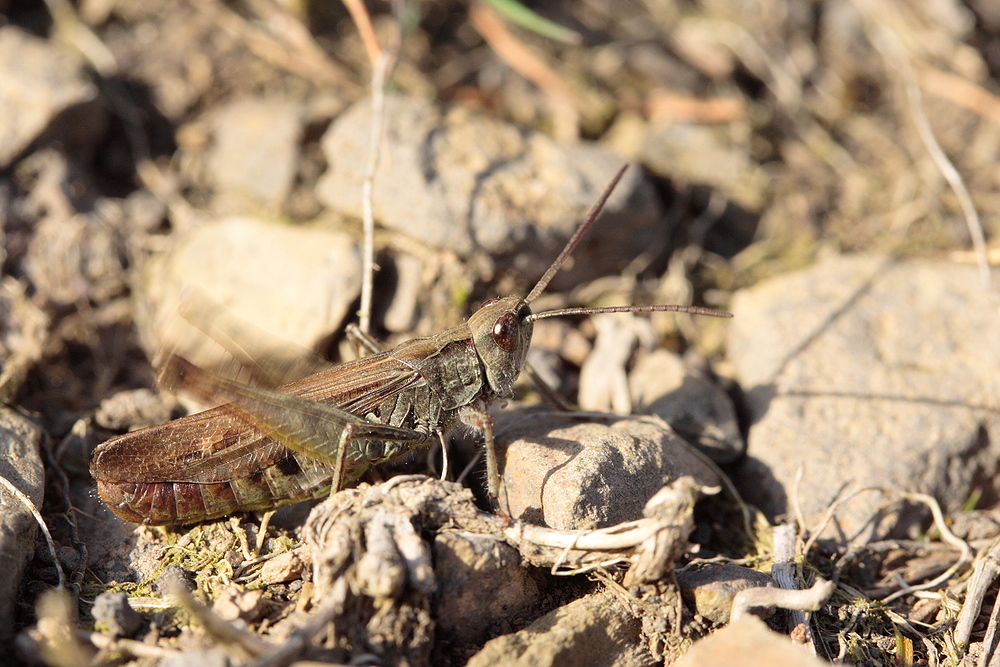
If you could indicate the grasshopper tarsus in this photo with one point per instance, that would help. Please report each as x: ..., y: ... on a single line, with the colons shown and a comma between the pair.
x: 268, y: 447
x: 363, y: 343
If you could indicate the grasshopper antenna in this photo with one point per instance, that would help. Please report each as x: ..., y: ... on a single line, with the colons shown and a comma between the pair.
x: 660, y: 308
x: 595, y: 211
x: 543, y: 282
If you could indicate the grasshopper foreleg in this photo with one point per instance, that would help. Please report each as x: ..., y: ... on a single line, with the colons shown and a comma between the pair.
x: 476, y: 416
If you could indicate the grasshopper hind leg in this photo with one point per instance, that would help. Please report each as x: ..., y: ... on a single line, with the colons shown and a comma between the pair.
x: 362, y: 342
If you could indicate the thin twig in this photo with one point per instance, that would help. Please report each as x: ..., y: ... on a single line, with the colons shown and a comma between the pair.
x: 26, y: 501
x: 217, y: 626
x: 281, y: 39
x: 828, y: 516
x: 516, y: 54
x: 584, y: 569
x: 661, y: 105
x: 265, y: 521
x: 932, y: 652
x: 522, y: 60
x: 960, y: 91
x: 78, y: 34
x: 296, y: 645
x: 902, y: 623
x: 137, y: 649
x: 946, y: 536
x: 800, y: 516
x: 887, y: 42
x: 363, y: 22
x: 950, y: 173
x: 563, y: 556
x: 984, y: 573
x: 784, y: 569
x: 809, y: 599
x: 781, y: 78
x: 621, y: 536
x: 939, y: 523
x: 990, y: 638
x: 383, y: 63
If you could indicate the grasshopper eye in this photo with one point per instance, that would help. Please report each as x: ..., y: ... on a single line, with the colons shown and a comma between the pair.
x: 505, y: 332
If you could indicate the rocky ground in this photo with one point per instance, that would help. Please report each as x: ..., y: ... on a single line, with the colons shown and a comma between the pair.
x: 813, y: 480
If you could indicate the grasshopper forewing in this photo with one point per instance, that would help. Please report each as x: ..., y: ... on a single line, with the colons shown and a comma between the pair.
x: 267, y: 448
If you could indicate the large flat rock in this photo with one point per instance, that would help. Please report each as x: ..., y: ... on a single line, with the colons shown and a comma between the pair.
x: 870, y: 371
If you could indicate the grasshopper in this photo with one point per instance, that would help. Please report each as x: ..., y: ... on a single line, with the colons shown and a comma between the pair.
x: 267, y: 448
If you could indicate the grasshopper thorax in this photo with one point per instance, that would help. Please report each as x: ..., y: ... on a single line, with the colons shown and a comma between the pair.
x: 501, y: 334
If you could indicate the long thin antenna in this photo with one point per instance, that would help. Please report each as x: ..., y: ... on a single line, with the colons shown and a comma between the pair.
x: 671, y: 308
x: 543, y: 282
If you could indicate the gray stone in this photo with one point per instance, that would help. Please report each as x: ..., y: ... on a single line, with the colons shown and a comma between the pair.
x: 144, y: 212
x: 866, y: 370
x: 401, y: 315
x: 72, y: 256
x: 45, y: 82
x: 595, y: 630
x: 24, y: 331
x: 587, y: 470
x: 21, y: 465
x: 711, y: 588
x: 699, y: 154
x: 662, y: 384
x: 136, y: 408
x: 255, y: 149
x: 286, y: 567
x: 604, y: 385
x: 274, y: 290
x: 748, y: 642
x: 471, y: 184
x: 113, y: 614
x: 213, y: 657
x: 245, y: 605
x: 481, y: 585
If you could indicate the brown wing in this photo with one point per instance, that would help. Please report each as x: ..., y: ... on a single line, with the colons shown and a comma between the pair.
x: 358, y: 386
x: 219, y: 445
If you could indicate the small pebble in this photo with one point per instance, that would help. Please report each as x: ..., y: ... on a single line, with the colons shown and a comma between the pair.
x: 287, y: 566
x: 113, y: 614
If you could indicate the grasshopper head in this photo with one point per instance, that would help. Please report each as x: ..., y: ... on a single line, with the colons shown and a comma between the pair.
x: 502, y: 336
